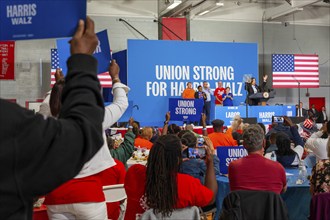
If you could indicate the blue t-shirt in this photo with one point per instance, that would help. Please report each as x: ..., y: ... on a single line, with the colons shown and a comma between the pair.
x: 227, y: 101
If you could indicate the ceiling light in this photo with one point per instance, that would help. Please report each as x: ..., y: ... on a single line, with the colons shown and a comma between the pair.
x: 174, y: 4
x: 203, y: 12
x: 220, y: 4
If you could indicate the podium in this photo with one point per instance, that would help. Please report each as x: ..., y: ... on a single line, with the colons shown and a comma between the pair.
x: 262, y: 97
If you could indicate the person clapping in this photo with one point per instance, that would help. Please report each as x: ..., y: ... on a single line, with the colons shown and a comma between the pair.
x: 227, y: 97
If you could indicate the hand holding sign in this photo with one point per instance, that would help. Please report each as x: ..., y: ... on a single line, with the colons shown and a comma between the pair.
x: 84, y: 40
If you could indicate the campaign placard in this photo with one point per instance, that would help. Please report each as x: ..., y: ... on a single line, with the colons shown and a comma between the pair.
x: 228, y: 154
x: 101, y: 53
x: 186, y: 109
x: 37, y: 19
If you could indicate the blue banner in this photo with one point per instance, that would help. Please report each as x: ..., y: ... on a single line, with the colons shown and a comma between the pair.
x: 166, y: 66
x: 102, y: 52
x: 227, y: 113
x: 37, y: 19
x: 262, y: 113
x: 228, y: 154
x: 186, y: 109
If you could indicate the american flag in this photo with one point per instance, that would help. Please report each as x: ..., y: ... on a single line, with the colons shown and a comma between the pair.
x: 55, y: 63
x: 104, y: 78
x: 289, y: 69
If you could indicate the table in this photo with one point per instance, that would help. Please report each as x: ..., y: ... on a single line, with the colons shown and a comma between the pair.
x: 297, y: 197
x: 132, y: 162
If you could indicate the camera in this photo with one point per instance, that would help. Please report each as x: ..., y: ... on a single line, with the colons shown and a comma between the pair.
x: 278, y: 119
x: 196, y: 152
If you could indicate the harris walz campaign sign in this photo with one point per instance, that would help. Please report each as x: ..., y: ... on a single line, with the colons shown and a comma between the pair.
x: 37, y: 19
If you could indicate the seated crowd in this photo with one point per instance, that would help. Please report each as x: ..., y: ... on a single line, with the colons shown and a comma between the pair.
x: 171, y: 178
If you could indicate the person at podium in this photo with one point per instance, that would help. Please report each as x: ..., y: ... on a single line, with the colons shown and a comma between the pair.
x: 253, y: 88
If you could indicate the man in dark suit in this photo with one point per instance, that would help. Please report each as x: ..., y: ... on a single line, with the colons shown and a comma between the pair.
x: 253, y: 88
x: 301, y: 111
x: 314, y: 111
x: 323, y: 117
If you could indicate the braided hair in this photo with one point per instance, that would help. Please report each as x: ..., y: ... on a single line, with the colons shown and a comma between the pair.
x: 163, y: 165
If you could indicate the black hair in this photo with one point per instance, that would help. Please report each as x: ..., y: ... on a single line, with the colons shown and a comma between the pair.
x: 283, y: 144
x: 163, y: 165
x: 55, y: 102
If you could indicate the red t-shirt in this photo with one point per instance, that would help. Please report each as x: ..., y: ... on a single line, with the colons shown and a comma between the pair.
x: 190, y: 191
x: 255, y: 172
x: 218, y: 93
x: 86, y: 189
x: 221, y: 139
x: 111, y: 176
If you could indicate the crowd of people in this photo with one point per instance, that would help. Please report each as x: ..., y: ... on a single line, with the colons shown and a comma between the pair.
x: 67, y: 150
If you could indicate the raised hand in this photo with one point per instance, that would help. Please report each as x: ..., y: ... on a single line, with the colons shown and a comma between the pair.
x: 84, y: 41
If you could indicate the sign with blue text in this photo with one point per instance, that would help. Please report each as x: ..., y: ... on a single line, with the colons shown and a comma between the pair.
x: 263, y: 114
x: 228, y: 154
x: 186, y: 109
x: 166, y: 66
x: 37, y: 19
x: 102, y: 52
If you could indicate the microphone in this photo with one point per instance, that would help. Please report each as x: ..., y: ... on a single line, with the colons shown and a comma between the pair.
x: 155, y: 20
x: 120, y: 19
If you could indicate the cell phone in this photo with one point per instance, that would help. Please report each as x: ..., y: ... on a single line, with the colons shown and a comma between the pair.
x: 196, y: 152
x: 200, y: 141
x: 278, y: 119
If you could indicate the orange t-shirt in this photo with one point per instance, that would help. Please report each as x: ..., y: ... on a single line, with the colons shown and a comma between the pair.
x: 188, y: 93
x: 220, y: 139
x: 142, y: 143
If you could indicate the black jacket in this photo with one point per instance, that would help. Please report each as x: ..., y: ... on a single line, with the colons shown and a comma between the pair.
x: 36, y: 154
x: 253, y: 205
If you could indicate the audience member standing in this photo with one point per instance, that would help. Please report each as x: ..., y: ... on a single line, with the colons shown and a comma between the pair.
x: 314, y: 112
x: 323, y: 117
x: 71, y: 200
x: 189, y: 92
x: 207, y: 104
x: 218, y: 92
x: 317, y: 144
x: 219, y: 138
x: 255, y: 172
x: 37, y: 154
x: 301, y: 111
x: 227, y: 97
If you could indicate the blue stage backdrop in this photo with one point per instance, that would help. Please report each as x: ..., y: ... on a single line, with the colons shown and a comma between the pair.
x: 35, y: 19
x: 159, y: 70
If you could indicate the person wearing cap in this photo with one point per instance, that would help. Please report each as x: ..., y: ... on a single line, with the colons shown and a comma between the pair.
x: 218, y: 138
x: 317, y: 144
x: 308, y: 128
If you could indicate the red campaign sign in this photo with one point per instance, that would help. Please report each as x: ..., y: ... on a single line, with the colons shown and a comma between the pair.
x: 7, y: 60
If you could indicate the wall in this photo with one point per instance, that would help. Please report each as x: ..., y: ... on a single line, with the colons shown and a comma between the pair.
x: 278, y: 38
